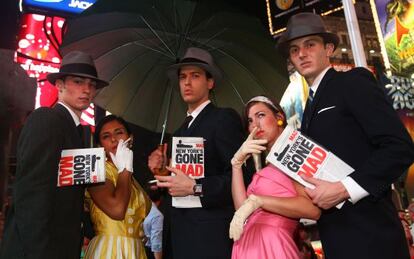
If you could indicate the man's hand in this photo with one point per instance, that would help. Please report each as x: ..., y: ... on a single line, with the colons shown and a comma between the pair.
x: 178, y: 185
x: 157, y: 160
x: 326, y: 194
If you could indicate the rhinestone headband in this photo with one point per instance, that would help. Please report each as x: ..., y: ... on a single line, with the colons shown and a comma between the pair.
x: 262, y: 99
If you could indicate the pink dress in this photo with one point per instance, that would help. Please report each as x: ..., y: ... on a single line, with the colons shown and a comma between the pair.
x: 268, y: 235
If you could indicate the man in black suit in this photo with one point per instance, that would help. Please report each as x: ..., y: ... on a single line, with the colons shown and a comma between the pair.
x: 201, y: 232
x: 45, y: 220
x: 349, y: 115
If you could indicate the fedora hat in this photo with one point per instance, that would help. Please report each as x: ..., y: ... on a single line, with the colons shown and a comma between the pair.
x: 195, y: 57
x: 301, y: 25
x: 77, y: 63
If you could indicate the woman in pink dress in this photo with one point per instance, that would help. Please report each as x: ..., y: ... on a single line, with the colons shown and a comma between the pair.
x: 273, y: 203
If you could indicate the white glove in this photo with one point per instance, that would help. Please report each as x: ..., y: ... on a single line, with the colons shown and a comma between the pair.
x: 249, y: 206
x: 123, y: 159
x: 250, y: 146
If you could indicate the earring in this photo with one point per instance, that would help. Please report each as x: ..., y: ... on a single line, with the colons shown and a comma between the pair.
x: 130, y: 143
x: 279, y: 123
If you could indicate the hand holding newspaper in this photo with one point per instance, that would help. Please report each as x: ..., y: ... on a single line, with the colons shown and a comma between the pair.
x: 296, y: 155
x: 188, y: 156
x: 81, y: 166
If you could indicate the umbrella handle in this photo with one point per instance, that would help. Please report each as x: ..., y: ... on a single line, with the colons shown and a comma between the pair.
x: 257, y: 162
x: 162, y: 170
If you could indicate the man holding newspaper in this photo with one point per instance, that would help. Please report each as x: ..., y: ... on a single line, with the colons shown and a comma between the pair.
x: 348, y: 114
x: 45, y: 220
x: 200, y: 207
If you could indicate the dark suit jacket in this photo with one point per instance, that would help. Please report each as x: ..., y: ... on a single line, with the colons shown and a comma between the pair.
x: 44, y: 220
x: 351, y: 117
x: 203, y: 232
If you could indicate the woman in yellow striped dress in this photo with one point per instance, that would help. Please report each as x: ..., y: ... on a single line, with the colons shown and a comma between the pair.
x: 117, y: 207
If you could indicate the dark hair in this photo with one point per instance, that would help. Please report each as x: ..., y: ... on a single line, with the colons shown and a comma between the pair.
x: 208, y: 75
x: 106, y: 120
x: 276, y: 111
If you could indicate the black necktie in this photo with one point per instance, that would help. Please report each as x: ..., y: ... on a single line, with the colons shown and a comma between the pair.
x: 306, y: 112
x: 80, y: 131
x: 187, y: 121
x: 310, y: 98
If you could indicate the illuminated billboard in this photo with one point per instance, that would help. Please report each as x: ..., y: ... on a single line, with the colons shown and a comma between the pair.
x: 279, y: 11
x: 394, y: 21
x: 57, y: 6
x: 395, y: 25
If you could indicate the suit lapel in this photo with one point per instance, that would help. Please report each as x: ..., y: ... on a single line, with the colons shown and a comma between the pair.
x: 69, y: 124
x: 321, y: 88
x: 198, y: 119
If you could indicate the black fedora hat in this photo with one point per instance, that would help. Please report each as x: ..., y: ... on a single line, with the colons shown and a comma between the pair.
x: 195, y: 57
x: 301, y: 25
x: 77, y: 63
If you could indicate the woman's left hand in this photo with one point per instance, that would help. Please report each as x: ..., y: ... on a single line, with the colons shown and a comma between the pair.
x: 237, y: 223
x: 124, y: 157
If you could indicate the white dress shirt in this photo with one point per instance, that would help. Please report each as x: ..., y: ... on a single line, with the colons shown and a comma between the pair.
x: 75, y: 117
x: 197, y: 111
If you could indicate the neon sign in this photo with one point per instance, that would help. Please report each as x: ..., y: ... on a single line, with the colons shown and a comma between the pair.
x: 60, y: 6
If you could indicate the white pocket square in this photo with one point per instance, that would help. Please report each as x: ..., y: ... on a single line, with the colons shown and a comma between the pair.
x: 325, y: 109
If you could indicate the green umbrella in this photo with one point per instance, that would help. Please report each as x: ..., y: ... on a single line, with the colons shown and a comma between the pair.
x: 134, y: 42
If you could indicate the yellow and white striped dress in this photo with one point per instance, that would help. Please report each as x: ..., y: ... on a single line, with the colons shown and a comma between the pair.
x: 119, y: 238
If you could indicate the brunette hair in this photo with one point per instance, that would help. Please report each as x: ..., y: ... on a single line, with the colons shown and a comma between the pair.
x: 106, y: 120
x: 270, y: 103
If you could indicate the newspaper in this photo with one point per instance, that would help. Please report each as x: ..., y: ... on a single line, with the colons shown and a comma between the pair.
x: 188, y: 156
x: 81, y: 166
x: 296, y: 155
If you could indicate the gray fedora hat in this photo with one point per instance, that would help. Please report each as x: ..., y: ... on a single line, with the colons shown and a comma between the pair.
x: 77, y: 63
x: 301, y: 25
x: 195, y: 57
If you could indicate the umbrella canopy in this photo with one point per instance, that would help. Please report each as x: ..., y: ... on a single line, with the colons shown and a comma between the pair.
x: 133, y: 46
x: 17, y: 89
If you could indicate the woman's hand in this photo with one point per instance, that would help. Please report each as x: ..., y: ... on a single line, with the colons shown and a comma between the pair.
x: 124, y: 157
x: 250, y: 146
x: 237, y: 223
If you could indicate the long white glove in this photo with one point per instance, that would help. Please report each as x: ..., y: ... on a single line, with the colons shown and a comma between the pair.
x: 123, y: 159
x: 250, y: 146
x: 249, y: 206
